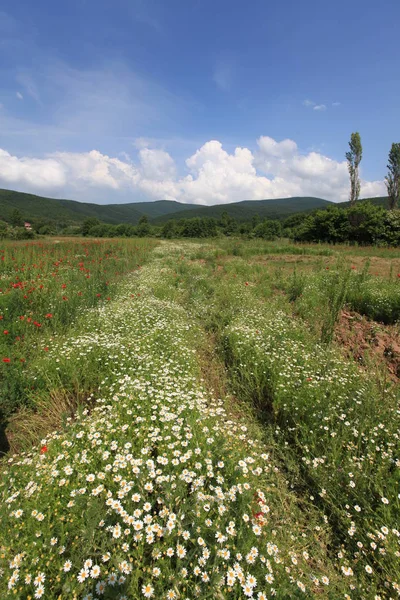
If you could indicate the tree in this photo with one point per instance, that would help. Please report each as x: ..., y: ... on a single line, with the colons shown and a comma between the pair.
x: 89, y: 224
x: 143, y: 228
x: 353, y: 160
x: 228, y: 224
x: 393, y: 177
x: 169, y: 229
x: 268, y: 230
x: 16, y: 219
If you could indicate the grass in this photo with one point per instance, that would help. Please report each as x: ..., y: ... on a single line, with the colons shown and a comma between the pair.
x: 44, y: 286
x: 201, y: 435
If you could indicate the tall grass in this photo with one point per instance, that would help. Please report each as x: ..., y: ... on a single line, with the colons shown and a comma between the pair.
x: 44, y: 286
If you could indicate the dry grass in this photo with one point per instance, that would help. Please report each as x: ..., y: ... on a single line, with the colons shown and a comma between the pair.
x: 27, y: 426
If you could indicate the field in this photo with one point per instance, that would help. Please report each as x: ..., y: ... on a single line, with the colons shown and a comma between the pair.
x: 214, y: 419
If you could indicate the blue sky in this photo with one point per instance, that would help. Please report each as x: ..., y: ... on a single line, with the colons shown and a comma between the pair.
x: 197, y: 100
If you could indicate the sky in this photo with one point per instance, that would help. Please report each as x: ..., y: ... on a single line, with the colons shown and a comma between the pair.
x: 199, y: 101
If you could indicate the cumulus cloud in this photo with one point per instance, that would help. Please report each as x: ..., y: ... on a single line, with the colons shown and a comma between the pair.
x: 274, y: 169
x: 31, y: 173
x: 319, y: 107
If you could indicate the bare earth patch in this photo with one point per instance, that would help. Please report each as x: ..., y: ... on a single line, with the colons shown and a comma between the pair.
x: 370, y: 343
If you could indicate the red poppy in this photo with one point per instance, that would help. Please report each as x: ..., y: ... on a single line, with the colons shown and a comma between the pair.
x: 6, y: 360
x: 43, y: 449
x: 64, y: 285
x: 49, y: 316
x: 247, y: 283
x: 6, y: 332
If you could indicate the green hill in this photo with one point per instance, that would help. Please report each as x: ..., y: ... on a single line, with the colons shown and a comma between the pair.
x: 378, y: 200
x: 71, y: 212
x: 35, y: 207
x: 161, y: 207
x: 245, y: 210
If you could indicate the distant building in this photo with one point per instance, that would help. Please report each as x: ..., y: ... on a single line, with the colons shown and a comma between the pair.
x: 28, y: 226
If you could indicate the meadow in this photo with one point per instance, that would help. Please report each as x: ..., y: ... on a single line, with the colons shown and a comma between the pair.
x: 199, y: 419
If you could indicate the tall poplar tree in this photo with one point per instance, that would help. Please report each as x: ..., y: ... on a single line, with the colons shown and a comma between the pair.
x: 353, y: 157
x: 392, y: 179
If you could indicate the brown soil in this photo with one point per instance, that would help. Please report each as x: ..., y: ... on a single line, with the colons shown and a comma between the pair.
x: 382, y: 267
x: 371, y: 344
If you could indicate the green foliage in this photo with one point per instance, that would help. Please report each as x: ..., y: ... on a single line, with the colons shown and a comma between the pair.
x: 89, y: 224
x: 362, y: 223
x: 143, y: 228
x: 268, y: 230
x: 198, y: 228
x: 353, y: 157
x: 393, y: 177
x: 16, y: 218
x: 4, y: 228
x: 169, y: 230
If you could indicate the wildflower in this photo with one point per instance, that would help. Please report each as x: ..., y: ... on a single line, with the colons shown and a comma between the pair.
x: 95, y: 572
x: 82, y: 575
x: 100, y: 587
x: 147, y: 591
x: 67, y: 566
x: 39, y: 591
x: 39, y: 579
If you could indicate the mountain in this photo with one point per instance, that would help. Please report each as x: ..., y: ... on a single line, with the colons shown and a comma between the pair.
x: 38, y: 207
x: 245, y: 210
x: 160, y: 208
x: 70, y: 212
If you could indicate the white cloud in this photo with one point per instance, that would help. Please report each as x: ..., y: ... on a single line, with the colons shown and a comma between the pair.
x: 19, y: 96
x: 315, y: 106
x: 275, y: 169
x: 31, y: 173
x: 156, y: 165
x: 336, y: 103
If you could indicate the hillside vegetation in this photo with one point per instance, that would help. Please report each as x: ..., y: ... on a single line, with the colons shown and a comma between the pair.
x: 72, y: 212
